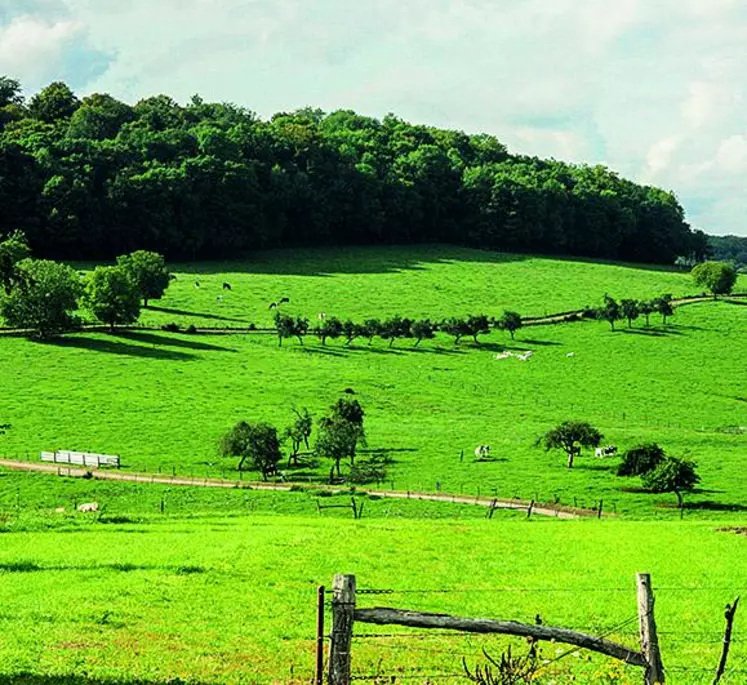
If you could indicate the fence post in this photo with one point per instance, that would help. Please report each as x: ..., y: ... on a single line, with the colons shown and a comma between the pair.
x: 343, y: 611
x: 319, y: 676
x: 647, y: 624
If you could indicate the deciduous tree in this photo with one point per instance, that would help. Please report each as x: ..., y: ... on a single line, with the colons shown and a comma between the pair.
x: 718, y: 277
x: 43, y: 298
x: 571, y: 436
x: 112, y: 296
x: 630, y: 310
x: 673, y: 475
x: 610, y: 311
x: 148, y: 270
x: 509, y: 321
x: 254, y: 443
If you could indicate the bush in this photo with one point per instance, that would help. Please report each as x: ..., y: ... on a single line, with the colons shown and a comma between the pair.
x: 368, y: 471
x: 191, y: 329
x: 171, y: 327
x: 641, y: 460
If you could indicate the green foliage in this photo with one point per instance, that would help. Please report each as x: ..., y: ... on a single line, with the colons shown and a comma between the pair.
x: 112, y: 296
x: 330, y: 327
x: 571, y: 436
x: 672, y: 475
x: 54, y: 103
x: 641, y: 459
x: 478, y: 325
x: 610, y: 311
x: 395, y: 327
x: 422, y: 329
x: 631, y: 310
x: 299, y: 433
x: 211, y: 179
x: 352, y: 330
x: 256, y: 444
x: 340, y: 432
x: 663, y: 305
x: 509, y: 321
x: 455, y: 327
x: 148, y: 270
x: 728, y: 248
x: 646, y: 308
x: 43, y: 298
x: 718, y: 277
x: 290, y: 327
x: 13, y: 249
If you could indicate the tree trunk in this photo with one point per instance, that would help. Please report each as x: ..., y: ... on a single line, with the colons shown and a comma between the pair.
x: 280, y: 341
x: 511, y: 331
x: 647, y: 322
x: 300, y: 339
x: 391, y: 342
x: 417, y: 342
x: 571, y: 454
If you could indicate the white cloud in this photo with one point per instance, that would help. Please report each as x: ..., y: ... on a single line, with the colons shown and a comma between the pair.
x: 31, y: 47
x: 654, y: 89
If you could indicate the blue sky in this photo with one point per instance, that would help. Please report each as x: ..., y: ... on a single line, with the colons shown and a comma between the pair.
x: 656, y: 89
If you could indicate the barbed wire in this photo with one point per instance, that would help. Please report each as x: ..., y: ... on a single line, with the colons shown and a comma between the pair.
x: 423, y: 591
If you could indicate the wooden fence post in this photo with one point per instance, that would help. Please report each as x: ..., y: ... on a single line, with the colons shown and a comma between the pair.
x: 319, y: 675
x: 343, y: 612
x: 647, y: 624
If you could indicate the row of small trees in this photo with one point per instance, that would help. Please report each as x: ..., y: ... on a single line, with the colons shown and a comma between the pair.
x: 393, y: 328
x: 659, y: 472
x: 258, y: 445
x: 613, y: 311
x: 43, y: 295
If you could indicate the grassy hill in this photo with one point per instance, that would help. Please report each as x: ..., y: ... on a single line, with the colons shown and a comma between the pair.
x: 162, y: 401
x: 231, y: 600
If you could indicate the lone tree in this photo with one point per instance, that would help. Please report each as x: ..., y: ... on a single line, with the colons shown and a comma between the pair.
x: 571, y: 436
x: 646, y: 307
x: 509, y: 321
x: 423, y: 330
x: 290, y: 327
x: 663, y: 306
x: 13, y: 250
x: 631, y: 310
x: 43, y: 299
x: 610, y: 311
x: 341, y: 432
x: 148, y: 270
x: 298, y: 433
x: 641, y: 459
x: 672, y: 475
x: 254, y: 443
x: 329, y: 328
x: 718, y: 277
x: 112, y: 296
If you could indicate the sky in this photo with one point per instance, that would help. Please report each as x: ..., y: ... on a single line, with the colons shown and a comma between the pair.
x: 655, y: 89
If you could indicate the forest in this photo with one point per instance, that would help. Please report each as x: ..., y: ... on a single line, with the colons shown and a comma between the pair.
x: 94, y: 177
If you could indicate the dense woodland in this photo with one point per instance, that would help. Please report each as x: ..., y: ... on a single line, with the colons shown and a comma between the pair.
x: 95, y: 178
x: 729, y: 248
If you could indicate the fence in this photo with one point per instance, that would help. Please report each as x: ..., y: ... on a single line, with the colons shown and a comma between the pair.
x: 346, y: 613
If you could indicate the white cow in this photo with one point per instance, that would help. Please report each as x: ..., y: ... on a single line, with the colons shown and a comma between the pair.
x: 88, y: 507
x: 482, y: 451
x: 608, y: 451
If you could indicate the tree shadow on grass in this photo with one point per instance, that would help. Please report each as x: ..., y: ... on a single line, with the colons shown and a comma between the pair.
x: 195, y: 315
x: 707, y: 505
x: 540, y: 343
x: 68, y: 679
x: 652, y: 332
x: 168, y: 341
x: 121, y: 348
x: 594, y: 467
x: 33, y: 567
x: 739, y: 303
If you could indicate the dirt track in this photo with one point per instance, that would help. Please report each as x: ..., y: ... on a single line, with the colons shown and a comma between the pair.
x: 564, y: 513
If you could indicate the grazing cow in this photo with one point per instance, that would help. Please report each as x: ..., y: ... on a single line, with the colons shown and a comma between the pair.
x: 482, y: 451
x: 197, y: 284
x: 88, y: 507
x: 284, y: 300
x: 526, y: 356
x: 227, y: 286
x: 571, y: 354
x: 607, y: 451
x: 349, y: 391
x: 321, y: 316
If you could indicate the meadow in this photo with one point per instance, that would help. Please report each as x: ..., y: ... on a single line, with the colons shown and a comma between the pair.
x: 190, y: 585
x: 231, y: 599
x: 163, y: 400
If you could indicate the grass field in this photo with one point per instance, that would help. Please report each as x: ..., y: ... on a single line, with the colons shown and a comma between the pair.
x: 231, y: 600
x: 219, y: 587
x: 163, y: 400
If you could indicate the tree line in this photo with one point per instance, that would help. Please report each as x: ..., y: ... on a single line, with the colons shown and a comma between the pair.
x: 96, y: 177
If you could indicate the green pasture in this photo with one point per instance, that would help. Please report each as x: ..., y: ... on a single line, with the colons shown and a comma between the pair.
x: 231, y: 599
x: 162, y: 401
x: 421, y: 281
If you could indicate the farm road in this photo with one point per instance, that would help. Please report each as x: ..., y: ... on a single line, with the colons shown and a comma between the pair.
x: 565, y: 513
